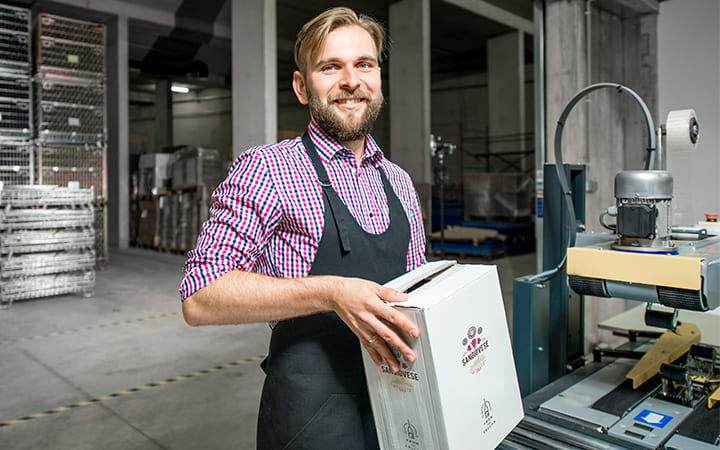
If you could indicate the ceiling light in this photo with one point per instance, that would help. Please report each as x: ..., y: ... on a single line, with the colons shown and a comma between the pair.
x: 180, y: 89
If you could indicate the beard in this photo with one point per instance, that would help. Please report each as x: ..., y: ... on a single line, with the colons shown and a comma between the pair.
x: 345, y: 127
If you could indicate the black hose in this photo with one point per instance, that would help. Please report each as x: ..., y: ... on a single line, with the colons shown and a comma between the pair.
x: 559, y: 165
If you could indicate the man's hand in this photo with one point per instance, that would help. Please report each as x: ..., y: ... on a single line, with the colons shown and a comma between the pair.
x: 361, y: 305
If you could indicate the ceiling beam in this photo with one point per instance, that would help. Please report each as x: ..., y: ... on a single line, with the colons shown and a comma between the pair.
x: 492, y: 12
x: 641, y: 6
x: 148, y: 14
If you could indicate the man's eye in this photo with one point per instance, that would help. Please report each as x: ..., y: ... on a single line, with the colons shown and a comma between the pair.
x: 327, y: 68
x: 364, y: 66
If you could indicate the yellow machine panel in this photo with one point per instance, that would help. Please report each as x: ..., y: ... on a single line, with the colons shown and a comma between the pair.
x: 682, y: 272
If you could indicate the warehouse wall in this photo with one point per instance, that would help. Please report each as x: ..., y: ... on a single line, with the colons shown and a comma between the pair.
x: 460, y: 115
x: 689, y: 70
x: 201, y: 117
x: 204, y: 118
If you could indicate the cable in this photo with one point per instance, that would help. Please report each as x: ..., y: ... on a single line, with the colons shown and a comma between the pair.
x: 612, y: 211
x: 564, y: 183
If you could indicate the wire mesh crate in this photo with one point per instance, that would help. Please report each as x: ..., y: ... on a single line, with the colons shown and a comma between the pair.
x: 25, y: 241
x: 30, y: 264
x: 100, y: 234
x: 15, y: 52
x: 47, y: 285
x: 47, y: 242
x: 15, y: 119
x: 61, y: 164
x: 16, y: 163
x: 62, y: 122
x: 68, y: 29
x: 71, y: 90
x: 56, y: 56
x: 38, y: 219
x: 14, y: 87
x: 14, y: 196
x: 15, y: 20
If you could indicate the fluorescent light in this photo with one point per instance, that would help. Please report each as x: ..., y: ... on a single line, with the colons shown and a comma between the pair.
x: 179, y: 89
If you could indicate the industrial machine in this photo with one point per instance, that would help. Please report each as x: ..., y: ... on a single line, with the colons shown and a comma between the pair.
x: 660, y: 390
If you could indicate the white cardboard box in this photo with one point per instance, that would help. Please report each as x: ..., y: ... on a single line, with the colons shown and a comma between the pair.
x: 462, y: 391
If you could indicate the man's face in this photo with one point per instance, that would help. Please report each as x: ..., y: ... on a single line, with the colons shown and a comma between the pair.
x: 343, y: 87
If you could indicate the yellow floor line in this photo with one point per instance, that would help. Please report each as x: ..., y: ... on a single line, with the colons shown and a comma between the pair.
x: 90, y: 328
x: 130, y: 391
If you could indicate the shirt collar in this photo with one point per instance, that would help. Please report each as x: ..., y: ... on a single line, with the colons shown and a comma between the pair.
x: 328, y: 148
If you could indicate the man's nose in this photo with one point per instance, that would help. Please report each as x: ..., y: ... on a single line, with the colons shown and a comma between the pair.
x: 349, y: 78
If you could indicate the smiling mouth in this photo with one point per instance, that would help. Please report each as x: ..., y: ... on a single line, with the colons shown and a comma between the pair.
x: 349, y: 101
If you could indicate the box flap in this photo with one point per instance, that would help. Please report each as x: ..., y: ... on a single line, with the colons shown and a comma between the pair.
x: 407, y: 281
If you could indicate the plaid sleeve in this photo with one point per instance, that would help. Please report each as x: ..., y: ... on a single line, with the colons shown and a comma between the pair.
x: 245, y: 209
x: 416, y: 249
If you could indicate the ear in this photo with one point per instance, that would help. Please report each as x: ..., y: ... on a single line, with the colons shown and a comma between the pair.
x: 300, y: 87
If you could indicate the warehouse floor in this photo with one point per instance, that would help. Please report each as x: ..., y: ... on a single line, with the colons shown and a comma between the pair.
x: 123, y: 371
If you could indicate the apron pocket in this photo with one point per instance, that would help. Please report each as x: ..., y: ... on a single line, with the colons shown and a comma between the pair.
x: 338, y: 424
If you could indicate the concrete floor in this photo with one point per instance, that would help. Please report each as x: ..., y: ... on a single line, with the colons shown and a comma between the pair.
x: 123, y: 371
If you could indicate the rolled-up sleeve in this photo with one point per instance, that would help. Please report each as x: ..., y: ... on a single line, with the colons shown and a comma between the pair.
x: 245, y: 209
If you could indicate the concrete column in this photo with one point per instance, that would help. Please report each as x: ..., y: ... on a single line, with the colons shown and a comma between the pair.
x: 163, y: 115
x: 640, y: 40
x: 409, y: 99
x: 565, y: 74
x: 118, y: 148
x: 254, y: 73
x: 506, y: 93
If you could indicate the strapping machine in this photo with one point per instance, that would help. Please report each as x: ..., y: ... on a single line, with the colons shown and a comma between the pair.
x: 661, y: 389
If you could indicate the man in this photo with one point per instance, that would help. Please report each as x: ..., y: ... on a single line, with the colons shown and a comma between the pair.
x: 303, y: 234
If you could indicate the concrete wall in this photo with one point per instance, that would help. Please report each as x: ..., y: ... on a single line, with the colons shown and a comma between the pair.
x: 205, y: 120
x: 689, y: 74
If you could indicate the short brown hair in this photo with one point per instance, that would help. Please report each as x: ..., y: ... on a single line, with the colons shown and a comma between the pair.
x: 312, y: 36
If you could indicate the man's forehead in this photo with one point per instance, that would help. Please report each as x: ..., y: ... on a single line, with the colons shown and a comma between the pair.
x: 341, y: 30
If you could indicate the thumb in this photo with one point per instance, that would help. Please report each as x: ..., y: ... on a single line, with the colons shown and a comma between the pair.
x: 391, y: 295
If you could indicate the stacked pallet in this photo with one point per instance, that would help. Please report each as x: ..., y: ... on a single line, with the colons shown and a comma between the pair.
x: 174, y: 192
x: 70, y: 110
x: 16, y: 154
x: 488, y: 239
x: 195, y: 173
x: 46, y: 242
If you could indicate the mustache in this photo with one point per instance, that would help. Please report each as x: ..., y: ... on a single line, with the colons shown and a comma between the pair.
x: 345, y: 94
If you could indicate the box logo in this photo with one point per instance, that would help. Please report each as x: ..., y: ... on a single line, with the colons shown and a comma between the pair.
x: 474, y: 345
x: 488, y: 420
x: 403, y: 380
x: 412, y: 440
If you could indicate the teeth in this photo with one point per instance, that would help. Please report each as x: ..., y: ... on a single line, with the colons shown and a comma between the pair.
x: 348, y: 101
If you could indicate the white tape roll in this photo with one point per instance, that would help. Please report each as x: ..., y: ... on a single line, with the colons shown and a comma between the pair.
x: 682, y: 131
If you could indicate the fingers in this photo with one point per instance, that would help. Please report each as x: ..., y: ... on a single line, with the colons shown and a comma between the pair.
x: 391, y: 295
x: 379, y: 326
x: 380, y: 352
x: 387, y: 342
x: 376, y: 357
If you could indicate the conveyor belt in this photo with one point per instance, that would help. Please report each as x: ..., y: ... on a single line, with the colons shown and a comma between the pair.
x: 624, y: 397
x: 702, y: 425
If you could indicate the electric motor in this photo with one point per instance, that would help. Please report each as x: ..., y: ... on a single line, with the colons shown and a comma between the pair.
x: 643, y: 201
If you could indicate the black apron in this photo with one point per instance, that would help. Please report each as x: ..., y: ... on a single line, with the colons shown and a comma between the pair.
x: 315, y: 394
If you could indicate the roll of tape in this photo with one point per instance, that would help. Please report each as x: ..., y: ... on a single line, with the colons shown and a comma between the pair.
x: 681, y: 131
